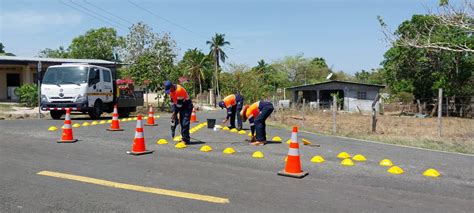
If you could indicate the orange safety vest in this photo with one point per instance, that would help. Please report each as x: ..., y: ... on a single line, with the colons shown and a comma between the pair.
x: 253, y: 110
x: 230, y: 101
x: 179, y: 94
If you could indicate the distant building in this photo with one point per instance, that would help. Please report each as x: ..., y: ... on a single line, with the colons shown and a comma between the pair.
x: 354, y: 95
x: 16, y: 71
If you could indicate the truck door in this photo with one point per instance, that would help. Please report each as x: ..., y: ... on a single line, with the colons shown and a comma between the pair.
x: 107, y: 86
x: 94, y: 87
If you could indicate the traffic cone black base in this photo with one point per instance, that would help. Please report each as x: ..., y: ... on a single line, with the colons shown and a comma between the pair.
x: 109, y: 129
x: 151, y: 124
x: 293, y: 175
x: 140, y: 153
x: 67, y: 141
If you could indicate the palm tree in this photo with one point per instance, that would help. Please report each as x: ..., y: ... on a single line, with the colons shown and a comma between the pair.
x: 217, y: 54
x: 197, y: 64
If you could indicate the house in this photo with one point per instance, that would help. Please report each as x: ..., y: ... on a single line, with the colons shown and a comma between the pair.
x: 16, y: 71
x: 354, y: 96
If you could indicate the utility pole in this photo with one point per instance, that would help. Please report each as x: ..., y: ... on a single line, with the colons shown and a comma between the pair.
x: 39, y: 67
x: 440, y: 111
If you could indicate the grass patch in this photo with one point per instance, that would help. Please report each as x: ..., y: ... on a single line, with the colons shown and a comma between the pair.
x: 6, y: 107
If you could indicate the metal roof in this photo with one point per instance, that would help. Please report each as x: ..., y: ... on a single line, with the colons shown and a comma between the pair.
x: 335, y: 81
x: 54, y: 60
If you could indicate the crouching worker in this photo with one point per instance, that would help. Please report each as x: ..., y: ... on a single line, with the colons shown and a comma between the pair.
x: 257, y: 113
x: 234, y: 104
x: 180, y: 104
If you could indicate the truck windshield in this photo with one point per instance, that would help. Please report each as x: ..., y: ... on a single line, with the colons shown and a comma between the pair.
x: 65, y: 75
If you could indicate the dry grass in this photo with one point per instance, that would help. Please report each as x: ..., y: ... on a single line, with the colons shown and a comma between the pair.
x: 457, y: 134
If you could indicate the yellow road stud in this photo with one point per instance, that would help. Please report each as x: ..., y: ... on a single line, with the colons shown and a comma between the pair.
x: 191, y: 131
x: 85, y: 124
x: 129, y: 119
x: 347, y: 162
x: 94, y: 123
x: 206, y: 148
x: 317, y: 159
x: 234, y: 130
x: 431, y: 173
x: 180, y: 145
x: 109, y: 121
x: 395, y: 170
x: 343, y: 155
x: 229, y: 150
x: 162, y: 142
x: 52, y: 128
x: 288, y: 141
x: 386, y: 162
x: 124, y: 119
x: 276, y: 139
x: 102, y: 122
x: 76, y: 125
x: 242, y: 132
x: 225, y: 128
x: 286, y: 158
x: 257, y: 154
x: 135, y: 118
x: 359, y: 157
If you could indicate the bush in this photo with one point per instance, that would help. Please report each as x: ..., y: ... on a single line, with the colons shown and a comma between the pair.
x: 28, y: 94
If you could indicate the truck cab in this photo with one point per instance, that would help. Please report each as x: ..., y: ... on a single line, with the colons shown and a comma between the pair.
x: 80, y: 87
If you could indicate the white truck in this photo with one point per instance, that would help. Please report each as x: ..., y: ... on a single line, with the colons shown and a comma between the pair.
x: 85, y: 88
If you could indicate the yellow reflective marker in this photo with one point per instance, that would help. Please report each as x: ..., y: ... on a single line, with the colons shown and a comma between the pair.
x: 225, y: 128
x: 257, y: 154
x: 52, y: 128
x: 123, y: 119
x: 76, y: 125
x: 94, y: 123
x: 229, y: 150
x: 395, y: 170
x: 343, y: 155
x: 85, y: 124
x: 276, y: 139
x: 234, y: 130
x: 317, y: 159
x: 138, y: 188
x: 347, y: 162
x: 206, y: 148
x: 431, y: 173
x: 386, y: 162
x: 102, y: 122
x: 180, y: 145
x: 109, y: 121
x: 242, y: 132
x: 162, y: 142
x: 359, y: 157
x: 177, y: 138
x: 288, y: 141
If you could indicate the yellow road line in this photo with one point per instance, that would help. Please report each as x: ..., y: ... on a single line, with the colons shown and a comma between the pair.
x: 135, y: 187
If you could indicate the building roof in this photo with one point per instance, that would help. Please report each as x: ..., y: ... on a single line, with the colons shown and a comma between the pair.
x: 336, y: 81
x: 53, y: 60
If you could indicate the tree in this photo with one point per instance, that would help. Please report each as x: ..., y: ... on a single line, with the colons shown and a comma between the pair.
x: 458, y: 21
x: 150, y: 55
x: 375, y: 76
x: 217, y: 54
x: 97, y: 44
x: 50, y: 53
x: 2, y: 51
x: 422, y: 71
x: 197, y: 66
x: 301, y: 70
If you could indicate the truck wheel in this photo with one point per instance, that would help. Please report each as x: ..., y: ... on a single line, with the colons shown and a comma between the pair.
x: 123, y: 112
x: 56, y: 114
x: 97, y: 110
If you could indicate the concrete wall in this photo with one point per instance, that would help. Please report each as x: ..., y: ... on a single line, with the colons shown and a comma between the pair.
x: 26, y: 76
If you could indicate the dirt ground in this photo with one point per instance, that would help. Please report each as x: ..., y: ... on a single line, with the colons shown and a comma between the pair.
x: 457, y: 133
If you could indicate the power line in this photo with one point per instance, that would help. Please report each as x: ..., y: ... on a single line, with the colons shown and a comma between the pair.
x: 165, y: 19
x: 106, y: 18
x: 89, y: 13
x: 105, y: 11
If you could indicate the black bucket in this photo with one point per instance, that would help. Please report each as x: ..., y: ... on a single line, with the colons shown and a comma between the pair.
x: 211, y: 123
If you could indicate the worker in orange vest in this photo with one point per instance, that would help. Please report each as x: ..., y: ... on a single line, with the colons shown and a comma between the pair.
x: 257, y: 113
x: 234, y: 104
x: 182, y: 105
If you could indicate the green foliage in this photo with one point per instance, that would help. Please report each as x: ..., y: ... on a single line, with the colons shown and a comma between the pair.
x: 50, y: 53
x: 28, y: 94
x: 2, y: 50
x: 300, y: 70
x: 197, y: 66
x: 423, y: 71
x: 375, y: 76
x: 97, y: 44
x: 151, y: 57
x: 217, y: 53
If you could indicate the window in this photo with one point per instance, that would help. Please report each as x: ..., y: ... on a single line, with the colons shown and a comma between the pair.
x: 94, y: 76
x: 361, y: 95
x: 106, y: 75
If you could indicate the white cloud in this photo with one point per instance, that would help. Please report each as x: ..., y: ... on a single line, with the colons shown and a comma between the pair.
x: 33, y: 21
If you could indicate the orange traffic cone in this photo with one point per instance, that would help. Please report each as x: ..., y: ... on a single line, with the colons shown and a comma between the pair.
x: 115, y: 125
x: 138, y: 147
x: 193, y: 116
x: 293, y: 163
x: 67, y: 136
x: 151, y: 118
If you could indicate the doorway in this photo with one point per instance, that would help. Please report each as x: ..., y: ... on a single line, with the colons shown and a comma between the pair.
x: 13, y: 82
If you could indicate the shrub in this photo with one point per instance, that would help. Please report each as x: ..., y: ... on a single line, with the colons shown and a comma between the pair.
x: 28, y: 94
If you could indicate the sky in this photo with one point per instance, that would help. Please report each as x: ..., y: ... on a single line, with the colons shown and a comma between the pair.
x: 344, y: 32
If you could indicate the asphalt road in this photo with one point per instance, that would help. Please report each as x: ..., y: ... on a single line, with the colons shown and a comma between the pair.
x: 250, y: 184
